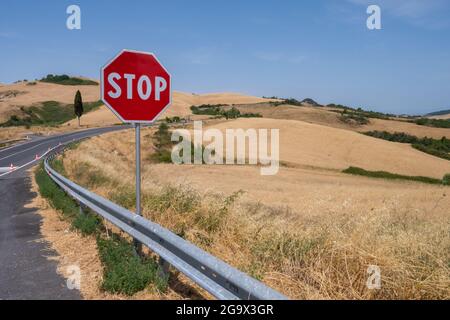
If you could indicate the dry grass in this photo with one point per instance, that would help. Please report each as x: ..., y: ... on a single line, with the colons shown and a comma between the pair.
x: 306, y: 232
x: 74, y: 249
x: 12, y: 133
x: 308, y: 144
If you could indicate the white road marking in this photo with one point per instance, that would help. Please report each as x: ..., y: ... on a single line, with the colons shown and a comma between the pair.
x: 26, y: 164
x: 75, y: 134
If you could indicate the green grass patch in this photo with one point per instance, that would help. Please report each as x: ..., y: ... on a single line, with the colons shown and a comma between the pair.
x: 391, y: 176
x: 356, y: 118
x: 218, y: 111
x: 437, y: 123
x: 86, y: 223
x: 446, y: 179
x: 68, y: 81
x: 125, y: 272
x: 56, y: 196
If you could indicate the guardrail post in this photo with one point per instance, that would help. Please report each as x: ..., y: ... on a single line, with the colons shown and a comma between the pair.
x: 82, y: 208
x: 163, y: 270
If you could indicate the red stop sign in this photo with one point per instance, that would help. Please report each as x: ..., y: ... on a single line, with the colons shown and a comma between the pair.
x: 135, y: 86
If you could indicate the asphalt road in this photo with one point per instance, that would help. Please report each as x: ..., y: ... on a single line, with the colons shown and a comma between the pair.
x: 26, y: 272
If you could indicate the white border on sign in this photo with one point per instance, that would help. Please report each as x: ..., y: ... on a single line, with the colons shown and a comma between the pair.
x: 111, y: 108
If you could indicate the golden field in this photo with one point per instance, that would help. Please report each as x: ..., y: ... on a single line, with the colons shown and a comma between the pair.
x: 310, y: 231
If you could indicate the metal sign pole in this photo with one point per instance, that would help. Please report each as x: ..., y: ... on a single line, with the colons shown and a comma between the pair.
x: 137, y: 244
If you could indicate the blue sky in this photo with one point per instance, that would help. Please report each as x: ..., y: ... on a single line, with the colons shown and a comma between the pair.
x: 317, y: 49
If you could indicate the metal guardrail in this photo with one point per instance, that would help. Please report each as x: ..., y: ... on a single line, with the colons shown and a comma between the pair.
x: 215, y: 276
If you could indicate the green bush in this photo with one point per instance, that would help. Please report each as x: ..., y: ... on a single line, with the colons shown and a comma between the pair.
x: 218, y: 111
x: 436, y: 147
x: 125, y: 272
x: 54, y: 194
x: 388, y: 175
x: 175, y: 119
x: 87, y: 223
x: 68, y: 81
x: 446, y: 179
x: 437, y: 123
x: 353, y: 118
x: 163, y: 144
x: 208, y: 109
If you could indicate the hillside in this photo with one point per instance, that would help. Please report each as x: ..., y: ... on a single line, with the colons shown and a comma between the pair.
x: 439, y: 113
x: 440, y: 116
x: 181, y: 103
x: 27, y: 94
x: 328, y: 117
x: 15, y: 96
x: 311, y: 145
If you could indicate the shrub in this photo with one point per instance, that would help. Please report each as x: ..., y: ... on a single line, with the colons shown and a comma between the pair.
x: 353, y: 118
x: 436, y: 147
x: 388, y: 175
x: 68, y: 81
x: 163, y: 144
x: 125, y: 272
x: 218, y: 111
x: 87, y: 223
x: 438, y: 123
x: 446, y: 179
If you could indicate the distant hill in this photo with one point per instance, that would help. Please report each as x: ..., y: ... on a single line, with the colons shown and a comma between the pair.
x: 438, y: 113
x: 311, y: 102
x: 68, y: 81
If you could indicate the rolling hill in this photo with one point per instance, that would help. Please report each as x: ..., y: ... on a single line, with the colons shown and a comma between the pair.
x: 443, y: 114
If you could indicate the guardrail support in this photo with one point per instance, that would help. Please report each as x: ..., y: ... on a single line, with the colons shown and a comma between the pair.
x: 82, y: 208
x: 164, y: 267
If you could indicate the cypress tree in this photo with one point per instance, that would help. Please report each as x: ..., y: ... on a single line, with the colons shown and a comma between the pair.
x: 78, y: 106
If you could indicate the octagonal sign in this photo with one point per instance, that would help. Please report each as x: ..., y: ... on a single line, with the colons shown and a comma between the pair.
x: 136, y: 87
